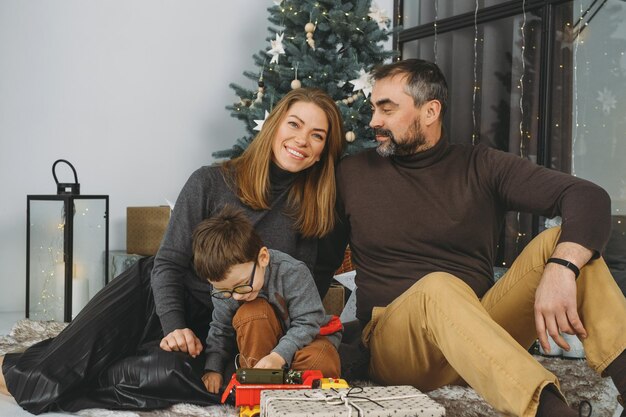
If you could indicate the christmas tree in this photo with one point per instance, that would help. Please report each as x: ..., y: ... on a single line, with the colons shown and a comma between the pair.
x: 329, y: 44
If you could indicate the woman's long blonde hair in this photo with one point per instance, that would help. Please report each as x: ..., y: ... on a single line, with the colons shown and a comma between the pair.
x: 312, y: 197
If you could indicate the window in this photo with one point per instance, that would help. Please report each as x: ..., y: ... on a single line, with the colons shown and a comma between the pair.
x: 544, y: 79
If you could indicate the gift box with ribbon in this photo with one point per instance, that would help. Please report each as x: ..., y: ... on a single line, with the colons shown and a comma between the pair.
x: 399, y: 401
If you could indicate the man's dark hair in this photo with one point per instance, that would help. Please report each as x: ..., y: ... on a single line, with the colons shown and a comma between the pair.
x: 424, y: 80
x: 222, y: 241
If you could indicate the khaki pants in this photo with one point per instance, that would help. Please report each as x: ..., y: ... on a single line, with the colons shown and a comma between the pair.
x: 438, y: 332
x: 258, y: 332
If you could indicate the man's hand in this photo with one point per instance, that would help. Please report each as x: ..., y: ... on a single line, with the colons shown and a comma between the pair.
x: 182, y: 340
x: 271, y: 361
x: 555, y: 299
x: 212, y: 381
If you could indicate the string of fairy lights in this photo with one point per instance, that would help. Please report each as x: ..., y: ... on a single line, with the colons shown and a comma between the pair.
x: 435, y: 27
x: 48, y: 256
x: 522, y: 146
x: 475, y: 87
x: 577, y: 42
x: 49, y: 264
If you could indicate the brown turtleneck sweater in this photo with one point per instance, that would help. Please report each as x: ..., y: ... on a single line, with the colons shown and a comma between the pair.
x: 442, y: 210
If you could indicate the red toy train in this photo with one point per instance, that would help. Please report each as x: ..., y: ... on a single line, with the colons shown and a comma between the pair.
x: 247, y: 384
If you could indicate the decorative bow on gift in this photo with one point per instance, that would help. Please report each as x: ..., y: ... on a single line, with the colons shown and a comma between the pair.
x: 347, y: 398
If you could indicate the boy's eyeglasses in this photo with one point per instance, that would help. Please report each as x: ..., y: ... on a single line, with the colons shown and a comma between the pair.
x: 239, y: 289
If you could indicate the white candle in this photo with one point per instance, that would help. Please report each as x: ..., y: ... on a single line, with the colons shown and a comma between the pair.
x: 80, y: 294
x: 59, y: 291
x: 59, y: 279
x: 80, y: 290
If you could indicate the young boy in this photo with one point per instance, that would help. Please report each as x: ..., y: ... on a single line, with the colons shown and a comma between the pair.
x: 264, y: 300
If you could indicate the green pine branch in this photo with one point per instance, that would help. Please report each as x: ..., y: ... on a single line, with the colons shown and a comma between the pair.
x: 346, y: 41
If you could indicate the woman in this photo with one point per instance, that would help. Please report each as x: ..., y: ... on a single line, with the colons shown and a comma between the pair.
x: 137, y: 344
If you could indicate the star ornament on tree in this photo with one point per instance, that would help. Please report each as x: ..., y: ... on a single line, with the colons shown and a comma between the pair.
x: 379, y: 16
x: 277, y: 48
x: 259, y: 123
x: 364, y: 82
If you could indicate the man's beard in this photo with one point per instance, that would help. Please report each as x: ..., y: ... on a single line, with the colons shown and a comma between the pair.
x: 411, y: 144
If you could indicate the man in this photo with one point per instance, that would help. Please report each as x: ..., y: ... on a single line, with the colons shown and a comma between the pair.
x: 423, y: 216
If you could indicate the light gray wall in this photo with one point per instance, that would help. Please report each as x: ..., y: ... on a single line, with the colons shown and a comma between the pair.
x: 131, y: 92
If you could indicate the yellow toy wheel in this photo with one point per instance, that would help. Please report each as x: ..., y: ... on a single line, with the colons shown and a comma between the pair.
x: 246, y: 411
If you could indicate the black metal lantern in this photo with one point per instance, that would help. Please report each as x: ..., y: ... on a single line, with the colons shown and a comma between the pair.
x: 67, y: 250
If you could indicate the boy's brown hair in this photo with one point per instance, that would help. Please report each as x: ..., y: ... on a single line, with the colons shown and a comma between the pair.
x: 222, y: 241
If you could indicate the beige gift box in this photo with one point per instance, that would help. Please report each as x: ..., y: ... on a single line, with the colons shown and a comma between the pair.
x: 145, y: 227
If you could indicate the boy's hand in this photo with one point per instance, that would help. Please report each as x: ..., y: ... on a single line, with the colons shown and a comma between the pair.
x: 182, y: 340
x: 212, y: 381
x: 271, y: 361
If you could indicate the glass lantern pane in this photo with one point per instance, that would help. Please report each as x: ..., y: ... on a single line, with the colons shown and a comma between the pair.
x: 89, y: 241
x: 47, y: 269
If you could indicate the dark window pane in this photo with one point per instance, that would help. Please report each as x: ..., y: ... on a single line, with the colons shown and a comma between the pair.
x: 488, y: 79
x: 585, y: 131
x: 486, y: 82
x: 417, y: 13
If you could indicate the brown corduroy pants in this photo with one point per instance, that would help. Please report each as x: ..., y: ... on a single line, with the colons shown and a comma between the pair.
x: 258, y: 332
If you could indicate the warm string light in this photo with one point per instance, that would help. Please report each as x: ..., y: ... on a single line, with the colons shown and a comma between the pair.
x: 50, y: 301
x: 522, y: 146
x: 474, y: 90
x: 51, y: 297
x: 521, y: 122
x: 517, y: 238
x: 435, y: 25
x: 577, y: 42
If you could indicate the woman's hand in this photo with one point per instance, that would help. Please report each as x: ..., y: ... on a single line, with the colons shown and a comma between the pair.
x: 271, y: 361
x: 182, y: 340
x: 212, y: 381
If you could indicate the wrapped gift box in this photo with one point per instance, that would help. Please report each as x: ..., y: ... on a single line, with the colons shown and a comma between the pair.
x: 399, y: 401
x: 334, y: 299
x: 120, y: 261
x: 145, y: 227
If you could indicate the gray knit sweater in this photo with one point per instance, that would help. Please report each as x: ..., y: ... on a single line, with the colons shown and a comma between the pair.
x: 205, y: 194
x: 288, y: 286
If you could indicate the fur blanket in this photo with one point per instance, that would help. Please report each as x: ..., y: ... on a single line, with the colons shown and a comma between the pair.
x: 578, y: 382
